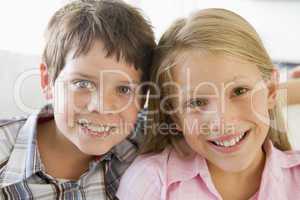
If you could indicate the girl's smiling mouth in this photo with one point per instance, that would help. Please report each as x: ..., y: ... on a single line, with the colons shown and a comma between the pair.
x: 229, y: 143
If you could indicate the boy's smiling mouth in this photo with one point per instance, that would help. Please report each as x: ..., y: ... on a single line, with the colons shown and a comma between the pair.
x: 93, y: 129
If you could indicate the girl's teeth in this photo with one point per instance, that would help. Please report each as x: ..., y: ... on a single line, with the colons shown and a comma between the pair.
x: 229, y: 143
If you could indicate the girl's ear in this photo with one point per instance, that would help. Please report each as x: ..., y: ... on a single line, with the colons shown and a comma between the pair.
x: 173, y: 119
x: 45, y: 81
x: 273, y: 85
x: 176, y: 121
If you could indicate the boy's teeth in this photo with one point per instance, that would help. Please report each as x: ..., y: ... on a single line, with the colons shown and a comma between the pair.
x: 83, y: 121
x: 94, y: 128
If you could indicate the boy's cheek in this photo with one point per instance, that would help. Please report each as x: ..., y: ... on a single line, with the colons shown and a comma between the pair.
x: 131, y: 114
x: 79, y: 101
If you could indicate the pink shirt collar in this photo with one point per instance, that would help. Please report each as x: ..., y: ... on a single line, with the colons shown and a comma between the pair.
x: 180, y: 170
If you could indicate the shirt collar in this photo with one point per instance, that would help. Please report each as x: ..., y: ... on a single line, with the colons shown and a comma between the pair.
x: 24, y: 159
x: 180, y: 169
x: 124, y: 151
x: 277, y: 160
x: 128, y: 148
x: 272, y: 177
x: 183, y: 169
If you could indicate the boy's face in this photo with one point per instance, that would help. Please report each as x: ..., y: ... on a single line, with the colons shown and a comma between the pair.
x: 95, y: 100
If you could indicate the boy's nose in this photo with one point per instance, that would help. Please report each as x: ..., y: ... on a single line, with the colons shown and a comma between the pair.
x: 100, y: 104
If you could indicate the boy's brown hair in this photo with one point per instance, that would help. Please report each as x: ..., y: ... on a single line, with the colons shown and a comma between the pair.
x: 125, y: 33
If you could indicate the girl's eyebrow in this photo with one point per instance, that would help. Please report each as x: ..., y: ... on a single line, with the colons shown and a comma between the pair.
x: 232, y: 80
x: 192, y: 91
x: 235, y: 78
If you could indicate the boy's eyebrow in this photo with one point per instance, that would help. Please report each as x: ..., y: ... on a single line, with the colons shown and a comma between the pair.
x: 130, y: 82
x: 93, y: 77
x: 84, y: 75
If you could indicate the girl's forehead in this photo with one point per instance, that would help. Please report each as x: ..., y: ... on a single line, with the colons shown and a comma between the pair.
x: 213, y: 68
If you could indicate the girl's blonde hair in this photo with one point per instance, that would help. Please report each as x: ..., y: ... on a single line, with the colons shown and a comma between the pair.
x: 215, y: 31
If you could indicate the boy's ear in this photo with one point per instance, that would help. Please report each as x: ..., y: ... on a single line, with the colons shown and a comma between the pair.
x: 45, y: 81
x: 273, y: 86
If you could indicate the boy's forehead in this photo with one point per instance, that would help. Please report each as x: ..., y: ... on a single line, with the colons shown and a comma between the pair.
x: 97, y: 72
x: 96, y: 61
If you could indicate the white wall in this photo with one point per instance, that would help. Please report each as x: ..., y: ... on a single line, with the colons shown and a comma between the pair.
x: 277, y: 22
x: 20, y: 88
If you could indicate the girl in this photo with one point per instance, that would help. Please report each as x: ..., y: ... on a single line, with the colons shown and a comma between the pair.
x: 216, y: 129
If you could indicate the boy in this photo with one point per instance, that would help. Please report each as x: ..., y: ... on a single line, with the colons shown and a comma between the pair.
x: 97, y: 53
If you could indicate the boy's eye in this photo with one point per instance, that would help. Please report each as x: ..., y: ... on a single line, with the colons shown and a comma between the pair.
x: 84, y: 84
x: 194, y: 103
x: 127, y: 90
x: 240, y: 91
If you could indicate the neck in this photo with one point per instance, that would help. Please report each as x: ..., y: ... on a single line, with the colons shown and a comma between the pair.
x: 55, y: 148
x: 237, y: 183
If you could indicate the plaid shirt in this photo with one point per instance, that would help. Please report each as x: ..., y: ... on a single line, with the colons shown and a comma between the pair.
x: 22, y: 174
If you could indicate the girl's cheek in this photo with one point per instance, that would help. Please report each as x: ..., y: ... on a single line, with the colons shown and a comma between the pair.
x: 195, y: 124
x: 257, y: 107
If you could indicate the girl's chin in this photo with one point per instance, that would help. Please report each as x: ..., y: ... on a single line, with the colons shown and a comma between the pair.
x: 230, y: 166
x: 234, y: 169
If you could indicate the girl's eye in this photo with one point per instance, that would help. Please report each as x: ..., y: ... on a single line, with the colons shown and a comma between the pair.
x: 194, y: 103
x: 83, y: 84
x: 127, y: 90
x: 240, y: 91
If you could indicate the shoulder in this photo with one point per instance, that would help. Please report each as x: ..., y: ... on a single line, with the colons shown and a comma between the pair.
x: 287, y: 169
x: 287, y: 159
x: 148, y: 164
x: 9, y: 129
x: 12, y: 121
x: 155, y: 160
x: 145, y: 177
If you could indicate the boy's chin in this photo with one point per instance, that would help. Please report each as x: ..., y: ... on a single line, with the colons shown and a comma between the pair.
x: 97, y: 151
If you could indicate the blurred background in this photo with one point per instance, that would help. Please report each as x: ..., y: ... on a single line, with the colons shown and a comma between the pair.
x: 23, y: 23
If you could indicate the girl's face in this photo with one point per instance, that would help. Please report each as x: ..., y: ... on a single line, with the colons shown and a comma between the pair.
x: 222, y: 108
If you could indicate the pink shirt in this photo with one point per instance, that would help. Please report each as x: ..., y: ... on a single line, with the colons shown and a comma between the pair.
x: 167, y: 177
